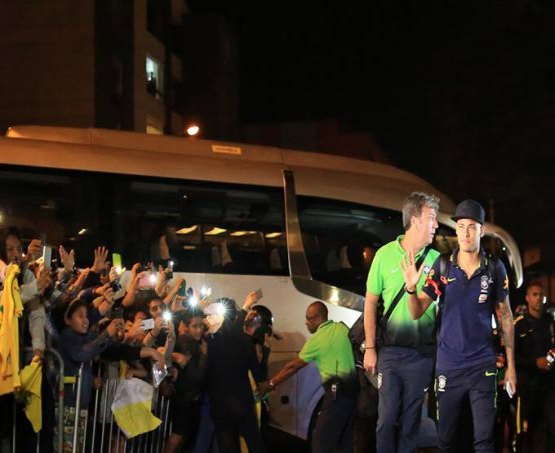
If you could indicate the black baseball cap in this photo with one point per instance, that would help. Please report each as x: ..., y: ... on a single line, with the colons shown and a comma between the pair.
x: 470, y: 209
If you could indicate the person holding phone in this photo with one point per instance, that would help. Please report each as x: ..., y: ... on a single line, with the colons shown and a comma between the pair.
x: 470, y: 288
x: 32, y: 285
x: 189, y: 355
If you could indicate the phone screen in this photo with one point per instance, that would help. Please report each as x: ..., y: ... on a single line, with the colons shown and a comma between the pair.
x: 116, y: 260
x: 182, y: 289
x: 47, y: 256
x: 147, y: 324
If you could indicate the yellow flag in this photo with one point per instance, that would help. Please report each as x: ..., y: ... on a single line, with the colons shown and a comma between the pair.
x: 31, y: 381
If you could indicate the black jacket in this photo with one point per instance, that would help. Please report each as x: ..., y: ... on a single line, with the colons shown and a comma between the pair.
x: 231, y: 356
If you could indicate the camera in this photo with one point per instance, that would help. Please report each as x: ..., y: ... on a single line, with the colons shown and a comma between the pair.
x: 115, y: 285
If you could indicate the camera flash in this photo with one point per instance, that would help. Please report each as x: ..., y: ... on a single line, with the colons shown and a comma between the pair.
x: 193, y: 301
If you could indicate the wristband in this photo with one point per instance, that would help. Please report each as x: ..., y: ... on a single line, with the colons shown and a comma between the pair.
x: 410, y: 292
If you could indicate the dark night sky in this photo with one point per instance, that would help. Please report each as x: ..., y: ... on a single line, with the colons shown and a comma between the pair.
x: 460, y: 92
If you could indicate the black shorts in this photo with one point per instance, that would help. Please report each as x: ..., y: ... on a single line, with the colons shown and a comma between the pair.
x: 185, y: 417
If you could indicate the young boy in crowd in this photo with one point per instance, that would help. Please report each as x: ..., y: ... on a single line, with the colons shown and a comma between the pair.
x: 190, y: 356
x: 77, y: 346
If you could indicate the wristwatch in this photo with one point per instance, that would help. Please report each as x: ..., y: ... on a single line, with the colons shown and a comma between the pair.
x: 272, y: 385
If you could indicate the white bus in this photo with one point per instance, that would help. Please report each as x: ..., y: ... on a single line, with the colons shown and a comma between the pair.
x: 299, y: 225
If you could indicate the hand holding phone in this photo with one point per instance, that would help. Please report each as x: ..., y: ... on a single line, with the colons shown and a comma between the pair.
x: 47, y: 256
x: 182, y: 291
x: 147, y: 324
x: 509, y: 389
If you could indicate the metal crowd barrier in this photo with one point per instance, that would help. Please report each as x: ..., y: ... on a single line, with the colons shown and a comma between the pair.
x: 101, y: 433
x: 60, y: 401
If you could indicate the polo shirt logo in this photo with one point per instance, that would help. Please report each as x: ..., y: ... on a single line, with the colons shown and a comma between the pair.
x: 482, y: 298
x: 484, y: 284
x: 427, y: 270
x: 380, y: 379
x: 441, y: 383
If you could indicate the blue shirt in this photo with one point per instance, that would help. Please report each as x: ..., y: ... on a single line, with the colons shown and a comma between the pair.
x: 465, y: 335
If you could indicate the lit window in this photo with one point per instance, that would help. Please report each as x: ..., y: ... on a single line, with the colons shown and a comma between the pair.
x: 154, y: 76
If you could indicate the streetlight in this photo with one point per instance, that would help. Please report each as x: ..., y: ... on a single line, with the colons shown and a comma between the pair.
x: 192, y: 130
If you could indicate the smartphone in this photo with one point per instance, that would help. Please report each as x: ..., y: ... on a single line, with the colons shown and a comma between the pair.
x: 117, y: 310
x: 169, y: 270
x: 148, y: 281
x: 147, y: 324
x: 116, y: 260
x: 47, y: 256
x: 259, y: 294
x: 509, y: 389
x: 182, y: 291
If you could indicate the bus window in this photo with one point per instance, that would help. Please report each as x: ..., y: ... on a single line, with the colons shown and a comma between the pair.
x: 67, y: 209
x: 203, y: 227
x: 341, y: 239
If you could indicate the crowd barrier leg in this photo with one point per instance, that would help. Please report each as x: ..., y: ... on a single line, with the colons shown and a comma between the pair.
x: 60, y: 400
x: 14, y: 431
x: 95, y: 413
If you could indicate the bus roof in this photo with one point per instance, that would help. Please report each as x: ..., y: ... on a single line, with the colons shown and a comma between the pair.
x: 307, y: 166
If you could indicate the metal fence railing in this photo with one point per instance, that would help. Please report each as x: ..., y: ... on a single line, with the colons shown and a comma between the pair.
x: 99, y: 432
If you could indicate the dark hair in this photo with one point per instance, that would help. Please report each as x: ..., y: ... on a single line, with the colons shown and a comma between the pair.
x: 264, y: 318
x: 321, y: 309
x: 11, y: 231
x: 533, y: 283
x: 186, y: 316
x: 74, y: 305
x: 230, y: 307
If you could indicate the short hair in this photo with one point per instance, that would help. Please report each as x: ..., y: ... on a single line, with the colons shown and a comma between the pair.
x: 413, y: 204
x: 186, y: 316
x: 74, y: 305
x: 533, y: 283
x: 321, y: 308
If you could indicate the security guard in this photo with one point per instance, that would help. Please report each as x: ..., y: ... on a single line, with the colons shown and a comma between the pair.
x: 330, y: 348
x: 535, y: 356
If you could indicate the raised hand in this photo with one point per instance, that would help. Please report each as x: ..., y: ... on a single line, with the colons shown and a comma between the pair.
x: 44, y: 279
x: 100, y: 257
x: 34, y: 250
x: 250, y: 300
x: 410, y: 273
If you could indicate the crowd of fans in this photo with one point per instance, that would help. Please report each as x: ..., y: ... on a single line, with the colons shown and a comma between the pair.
x: 145, y: 324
